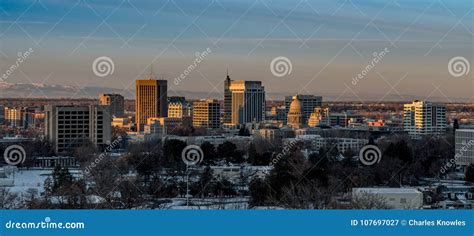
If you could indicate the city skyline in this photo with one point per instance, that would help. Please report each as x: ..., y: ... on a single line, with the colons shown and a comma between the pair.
x: 328, y: 44
x: 237, y: 106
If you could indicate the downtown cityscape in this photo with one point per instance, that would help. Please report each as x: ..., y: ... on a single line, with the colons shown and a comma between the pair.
x: 236, y: 105
x: 242, y: 152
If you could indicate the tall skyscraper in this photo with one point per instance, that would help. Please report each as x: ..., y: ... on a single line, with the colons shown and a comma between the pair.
x: 115, y: 102
x: 308, y: 103
x: 151, y: 100
x: 68, y: 127
x: 227, y: 119
x: 244, y: 102
x: 424, y: 118
x: 206, y: 113
x: 2, y: 115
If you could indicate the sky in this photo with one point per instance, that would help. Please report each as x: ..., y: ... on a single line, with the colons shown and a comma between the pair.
x: 327, y: 42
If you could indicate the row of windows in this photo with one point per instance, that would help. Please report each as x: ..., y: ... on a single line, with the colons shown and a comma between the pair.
x: 73, y: 121
x: 73, y: 112
x: 76, y: 135
x: 76, y: 126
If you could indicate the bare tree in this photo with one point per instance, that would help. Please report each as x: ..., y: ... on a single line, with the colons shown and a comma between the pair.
x: 369, y: 201
x: 8, y: 200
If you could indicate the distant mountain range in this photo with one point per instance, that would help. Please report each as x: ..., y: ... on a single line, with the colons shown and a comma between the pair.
x: 34, y: 90
x: 10, y: 90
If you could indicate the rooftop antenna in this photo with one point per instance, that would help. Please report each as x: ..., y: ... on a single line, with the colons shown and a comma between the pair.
x: 151, y: 71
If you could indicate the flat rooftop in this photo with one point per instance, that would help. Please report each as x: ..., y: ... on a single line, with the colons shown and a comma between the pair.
x: 465, y: 130
x: 386, y: 190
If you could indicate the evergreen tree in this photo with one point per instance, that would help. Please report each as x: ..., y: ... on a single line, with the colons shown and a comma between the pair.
x: 258, y: 192
x: 252, y: 154
x: 209, y: 152
x: 469, y: 175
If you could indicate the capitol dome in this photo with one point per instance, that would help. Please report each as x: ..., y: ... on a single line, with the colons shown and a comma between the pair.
x: 295, y: 114
x: 295, y: 106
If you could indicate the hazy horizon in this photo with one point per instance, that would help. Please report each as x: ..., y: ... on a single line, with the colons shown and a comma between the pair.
x: 328, y: 43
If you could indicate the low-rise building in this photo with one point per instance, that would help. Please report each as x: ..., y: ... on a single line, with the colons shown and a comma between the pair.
x: 397, y: 198
x: 122, y: 122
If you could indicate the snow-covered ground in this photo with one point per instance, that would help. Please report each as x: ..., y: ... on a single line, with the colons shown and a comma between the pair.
x: 24, y: 179
x: 28, y: 179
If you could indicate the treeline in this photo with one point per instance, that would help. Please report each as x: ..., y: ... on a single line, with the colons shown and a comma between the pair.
x: 152, y: 173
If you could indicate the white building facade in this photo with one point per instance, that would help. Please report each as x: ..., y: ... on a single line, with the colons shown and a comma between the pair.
x: 422, y: 118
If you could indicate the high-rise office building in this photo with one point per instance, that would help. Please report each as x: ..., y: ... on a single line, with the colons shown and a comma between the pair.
x: 151, y: 100
x: 2, y: 115
x: 464, y: 140
x: 115, y: 102
x: 69, y: 127
x: 227, y: 118
x: 244, y: 102
x: 422, y: 118
x: 206, y: 113
x: 308, y: 103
